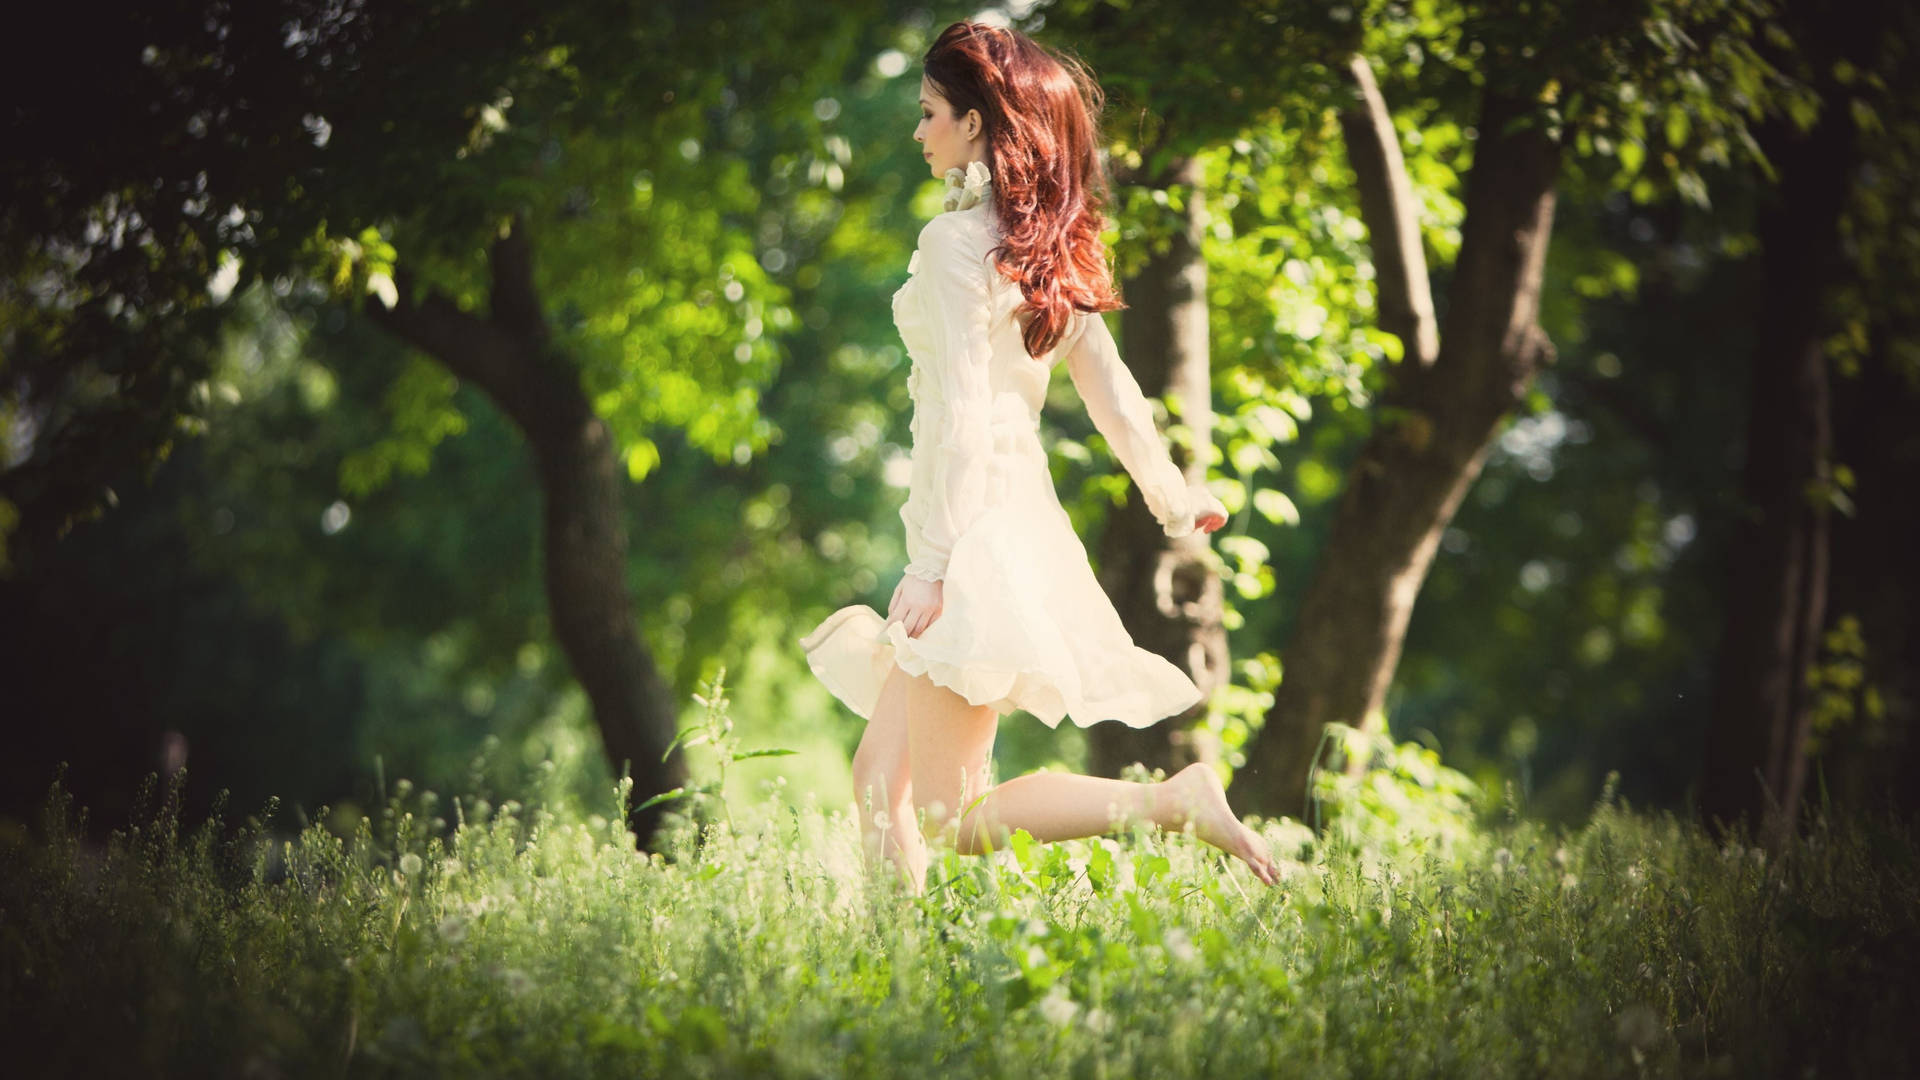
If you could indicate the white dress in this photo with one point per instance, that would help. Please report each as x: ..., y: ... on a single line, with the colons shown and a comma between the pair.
x: 1024, y: 623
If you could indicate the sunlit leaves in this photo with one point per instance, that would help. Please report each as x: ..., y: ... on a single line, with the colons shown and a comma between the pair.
x: 419, y: 403
x: 1274, y: 505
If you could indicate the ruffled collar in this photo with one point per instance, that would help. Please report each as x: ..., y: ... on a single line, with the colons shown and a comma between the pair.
x: 969, y: 188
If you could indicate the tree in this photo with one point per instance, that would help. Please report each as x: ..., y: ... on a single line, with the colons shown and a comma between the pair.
x: 1755, y: 765
x: 1545, y: 79
x: 272, y: 138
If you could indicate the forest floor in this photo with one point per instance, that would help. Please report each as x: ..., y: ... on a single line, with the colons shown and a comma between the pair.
x: 1412, y: 937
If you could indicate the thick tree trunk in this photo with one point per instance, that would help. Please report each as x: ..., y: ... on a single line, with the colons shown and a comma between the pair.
x: 1431, y: 435
x: 510, y: 357
x: 1168, y: 598
x: 587, y: 598
x: 1872, y: 760
x: 1755, y: 762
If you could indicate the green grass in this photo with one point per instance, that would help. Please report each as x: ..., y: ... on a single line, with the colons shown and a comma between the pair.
x: 1412, y: 940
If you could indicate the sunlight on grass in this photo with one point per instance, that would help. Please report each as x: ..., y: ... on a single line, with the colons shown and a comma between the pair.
x: 518, y: 942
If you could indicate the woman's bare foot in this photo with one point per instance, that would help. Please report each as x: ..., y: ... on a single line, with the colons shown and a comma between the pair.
x: 1194, y: 794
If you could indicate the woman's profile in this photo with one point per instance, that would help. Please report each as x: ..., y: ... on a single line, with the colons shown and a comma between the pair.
x: 998, y: 608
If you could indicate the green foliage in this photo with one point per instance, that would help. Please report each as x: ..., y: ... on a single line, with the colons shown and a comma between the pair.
x: 510, y: 940
x: 715, y: 729
x: 1402, y: 801
x: 420, y: 403
x: 1842, y: 695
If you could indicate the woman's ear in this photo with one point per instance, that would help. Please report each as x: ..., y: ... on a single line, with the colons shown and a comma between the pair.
x: 974, y: 124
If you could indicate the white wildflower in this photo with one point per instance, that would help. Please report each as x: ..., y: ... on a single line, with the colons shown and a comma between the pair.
x: 1099, y: 1021
x: 410, y: 864
x: 1179, y: 945
x: 1057, y: 1007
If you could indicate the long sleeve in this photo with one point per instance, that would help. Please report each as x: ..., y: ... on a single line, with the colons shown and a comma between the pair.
x: 956, y: 302
x: 1125, y: 417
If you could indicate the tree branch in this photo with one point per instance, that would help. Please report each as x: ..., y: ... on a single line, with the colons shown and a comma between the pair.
x: 516, y: 304
x: 1492, y: 338
x: 1393, y: 225
x: 468, y: 346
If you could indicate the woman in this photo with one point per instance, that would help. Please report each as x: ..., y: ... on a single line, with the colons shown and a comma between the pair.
x: 998, y: 608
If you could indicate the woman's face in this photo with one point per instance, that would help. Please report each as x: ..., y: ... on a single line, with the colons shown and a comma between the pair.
x: 947, y: 141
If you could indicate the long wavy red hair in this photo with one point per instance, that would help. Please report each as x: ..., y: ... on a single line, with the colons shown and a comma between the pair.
x: 1041, y: 111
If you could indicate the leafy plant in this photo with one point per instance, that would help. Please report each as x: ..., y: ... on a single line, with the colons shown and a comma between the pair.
x: 714, y: 729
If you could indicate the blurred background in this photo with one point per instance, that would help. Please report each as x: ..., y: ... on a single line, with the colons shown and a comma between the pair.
x: 443, y: 389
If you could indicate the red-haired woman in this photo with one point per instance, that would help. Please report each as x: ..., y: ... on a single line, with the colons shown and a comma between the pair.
x: 998, y: 608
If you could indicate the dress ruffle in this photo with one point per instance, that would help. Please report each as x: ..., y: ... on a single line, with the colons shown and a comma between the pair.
x: 1018, y: 630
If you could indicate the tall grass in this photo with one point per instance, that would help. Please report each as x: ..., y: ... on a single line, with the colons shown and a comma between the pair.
x: 1411, y: 939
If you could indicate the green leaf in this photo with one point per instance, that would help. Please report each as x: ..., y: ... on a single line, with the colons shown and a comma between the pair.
x: 676, y: 793
x: 1631, y: 154
x: 1151, y: 867
x: 1100, y: 866
x: 772, y: 752
x: 1021, y: 843
x: 642, y: 457
x: 1678, y: 124
x: 1276, y: 507
x: 691, y: 735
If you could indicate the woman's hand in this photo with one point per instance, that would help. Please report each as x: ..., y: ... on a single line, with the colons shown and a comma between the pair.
x: 1208, y: 513
x: 916, y: 603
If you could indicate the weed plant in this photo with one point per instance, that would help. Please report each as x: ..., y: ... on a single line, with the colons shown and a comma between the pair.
x: 1419, y: 933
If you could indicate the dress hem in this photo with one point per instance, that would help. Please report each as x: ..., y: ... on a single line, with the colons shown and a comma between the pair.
x: 1041, y: 698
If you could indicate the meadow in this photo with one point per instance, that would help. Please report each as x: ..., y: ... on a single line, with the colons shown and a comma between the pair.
x: 1426, y: 929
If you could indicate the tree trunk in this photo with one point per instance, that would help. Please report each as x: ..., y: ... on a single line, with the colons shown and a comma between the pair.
x: 510, y: 357
x: 1167, y: 597
x: 1431, y: 434
x: 1875, y: 578
x: 1754, y: 767
x: 587, y: 599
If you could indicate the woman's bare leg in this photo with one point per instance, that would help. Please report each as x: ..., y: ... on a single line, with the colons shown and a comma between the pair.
x: 950, y: 744
x: 1062, y: 806
x: 883, y: 788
